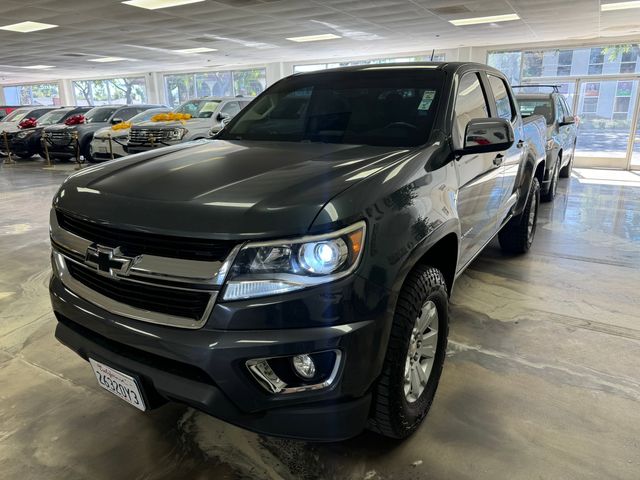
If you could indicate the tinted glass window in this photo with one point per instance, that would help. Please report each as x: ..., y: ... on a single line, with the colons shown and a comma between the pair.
x: 369, y: 107
x: 198, y: 108
x: 16, y: 115
x: 536, y: 106
x: 126, y: 113
x: 470, y: 103
x: 231, y: 108
x: 501, y: 95
x: 100, y: 114
x: 54, y: 116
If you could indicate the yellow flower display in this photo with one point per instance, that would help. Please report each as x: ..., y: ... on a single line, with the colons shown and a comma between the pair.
x: 169, y: 117
x: 121, y: 126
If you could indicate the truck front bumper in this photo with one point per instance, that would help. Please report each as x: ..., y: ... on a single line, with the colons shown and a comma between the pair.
x: 207, y: 368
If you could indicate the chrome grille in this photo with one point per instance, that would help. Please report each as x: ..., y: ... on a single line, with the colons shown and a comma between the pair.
x: 59, y: 137
x: 149, y: 135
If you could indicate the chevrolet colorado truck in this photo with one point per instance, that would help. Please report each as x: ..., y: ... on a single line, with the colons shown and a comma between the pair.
x: 207, y: 114
x: 561, y: 132
x: 292, y: 275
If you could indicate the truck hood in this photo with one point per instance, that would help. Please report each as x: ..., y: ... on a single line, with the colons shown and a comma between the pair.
x: 104, y: 132
x: 191, y: 123
x: 222, y: 189
x: 82, y: 128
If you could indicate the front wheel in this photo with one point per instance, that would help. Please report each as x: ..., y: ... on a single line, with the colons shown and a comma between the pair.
x: 415, y: 355
x: 517, y: 235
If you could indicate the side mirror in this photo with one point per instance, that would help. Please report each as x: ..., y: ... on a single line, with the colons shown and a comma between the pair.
x: 223, y: 117
x: 116, y: 120
x: 484, y: 135
x: 568, y: 120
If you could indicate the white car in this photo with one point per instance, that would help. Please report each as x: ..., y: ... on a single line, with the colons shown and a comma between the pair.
x: 100, y: 148
x: 207, y: 115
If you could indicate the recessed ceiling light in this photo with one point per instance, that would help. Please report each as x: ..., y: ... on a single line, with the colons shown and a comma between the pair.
x: 607, y: 7
x: 478, y: 20
x: 314, y: 38
x: 156, y: 4
x: 40, y: 67
x: 25, y: 27
x: 107, y: 59
x: 196, y: 50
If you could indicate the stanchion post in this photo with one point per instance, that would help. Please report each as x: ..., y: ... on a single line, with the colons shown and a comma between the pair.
x: 76, y: 141
x: 110, y: 145
x: 43, y: 141
x: 9, y: 160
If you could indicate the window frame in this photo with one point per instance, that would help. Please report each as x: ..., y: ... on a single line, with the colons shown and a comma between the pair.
x: 458, y: 137
x: 514, y: 110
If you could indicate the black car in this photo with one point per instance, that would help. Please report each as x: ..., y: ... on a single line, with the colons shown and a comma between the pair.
x: 562, y: 131
x: 60, y: 138
x: 292, y: 275
x: 26, y: 142
x: 9, y: 124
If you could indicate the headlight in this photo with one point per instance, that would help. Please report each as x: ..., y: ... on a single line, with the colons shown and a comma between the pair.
x: 550, y: 144
x: 25, y: 134
x: 176, y: 134
x: 269, y: 268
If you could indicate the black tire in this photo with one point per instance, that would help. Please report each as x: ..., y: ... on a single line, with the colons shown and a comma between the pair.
x: 565, y: 172
x: 85, y: 151
x: 392, y: 414
x: 517, y: 235
x: 25, y: 156
x: 550, y: 194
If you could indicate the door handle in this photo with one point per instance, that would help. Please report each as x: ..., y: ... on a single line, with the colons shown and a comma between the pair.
x: 497, y: 161
x: 520, y: 144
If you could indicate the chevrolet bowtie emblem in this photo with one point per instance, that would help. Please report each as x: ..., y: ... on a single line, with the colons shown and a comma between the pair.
x: 109, y: 261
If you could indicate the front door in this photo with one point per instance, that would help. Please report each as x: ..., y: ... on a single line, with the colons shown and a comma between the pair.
x: 479, y: 176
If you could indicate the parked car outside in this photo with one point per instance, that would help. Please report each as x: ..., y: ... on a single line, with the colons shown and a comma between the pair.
x: 11, y: 121
x: 119, y: 133
x: 292, y: 276
x: 562, y: 132
x: 26, y: 139
x: 206, y: 114
x: 60, y: 139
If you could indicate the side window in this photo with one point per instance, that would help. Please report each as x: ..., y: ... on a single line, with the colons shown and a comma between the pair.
x: 560, y: 112
x: 36, y: 113
x: 470, y: 103
x: 125, y: 114
x: 231, y: 108
x: 501, y: 95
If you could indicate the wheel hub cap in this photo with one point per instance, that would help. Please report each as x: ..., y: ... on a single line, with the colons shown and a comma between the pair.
x: 421, y: 352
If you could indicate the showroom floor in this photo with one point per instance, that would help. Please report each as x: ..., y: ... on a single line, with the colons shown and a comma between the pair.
x: 541, y: 379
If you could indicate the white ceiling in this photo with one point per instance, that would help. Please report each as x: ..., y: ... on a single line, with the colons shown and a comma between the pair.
x: 255, y: 31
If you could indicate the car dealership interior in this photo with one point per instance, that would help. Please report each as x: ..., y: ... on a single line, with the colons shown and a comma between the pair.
x: 320, y: 239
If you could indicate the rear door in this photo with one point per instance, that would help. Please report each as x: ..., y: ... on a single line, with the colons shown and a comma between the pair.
x: 504, y: 106
x: 479, y: 177
x: 566, y: 133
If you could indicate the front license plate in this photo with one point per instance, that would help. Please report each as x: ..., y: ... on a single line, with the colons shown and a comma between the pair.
x: 119, y: 384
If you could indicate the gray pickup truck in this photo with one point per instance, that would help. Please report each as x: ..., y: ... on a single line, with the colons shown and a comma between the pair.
x: 561, y: 131
x: 292, y: 275
x: 208, y: 115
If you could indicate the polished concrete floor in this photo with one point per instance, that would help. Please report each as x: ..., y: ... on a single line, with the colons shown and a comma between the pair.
x: 542, y: 380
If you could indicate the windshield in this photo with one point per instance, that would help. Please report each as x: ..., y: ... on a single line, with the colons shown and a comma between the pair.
x: 376, y: 106
x: 147, y: 114
x: 536, y: 106
x: 99, y: 114
x: 16, y: 115
x: 54, y: 116
x: 198, y: 108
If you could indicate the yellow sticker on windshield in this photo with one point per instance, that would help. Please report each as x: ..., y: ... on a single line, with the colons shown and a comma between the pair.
x: 427, y: 98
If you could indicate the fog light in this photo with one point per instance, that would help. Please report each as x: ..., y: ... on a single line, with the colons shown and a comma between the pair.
x: 304, y: 366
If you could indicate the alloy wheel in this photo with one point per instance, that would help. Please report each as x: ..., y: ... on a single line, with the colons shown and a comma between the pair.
x: 421, y: 352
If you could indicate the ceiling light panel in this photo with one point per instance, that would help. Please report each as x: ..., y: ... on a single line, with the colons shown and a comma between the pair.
x: 478, y: 20
x: 157, y: 4
x: 40, y: 67
x: 107, y: 59
x: 26, y: 27
x: 608, y: 7
x: 196, y: 50
x: 314, y: 38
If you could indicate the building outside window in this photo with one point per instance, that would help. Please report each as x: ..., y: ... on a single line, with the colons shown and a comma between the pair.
x: 629, y: 60
x: 565, y: 59
x: 184, y: 86
x: 622, y: 101
x: 116, y: 91
x: 46, y: 94
x: 596, y: 61
x: 591, y: 95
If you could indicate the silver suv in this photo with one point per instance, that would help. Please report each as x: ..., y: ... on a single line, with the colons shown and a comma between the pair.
x: 208, y: 115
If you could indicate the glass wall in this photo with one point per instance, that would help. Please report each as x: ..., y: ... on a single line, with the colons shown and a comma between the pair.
x: 440, y: 57
x: 112, y: 91
x: 601, y: 83
x: 183, y: 86
x: 33, y: 94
